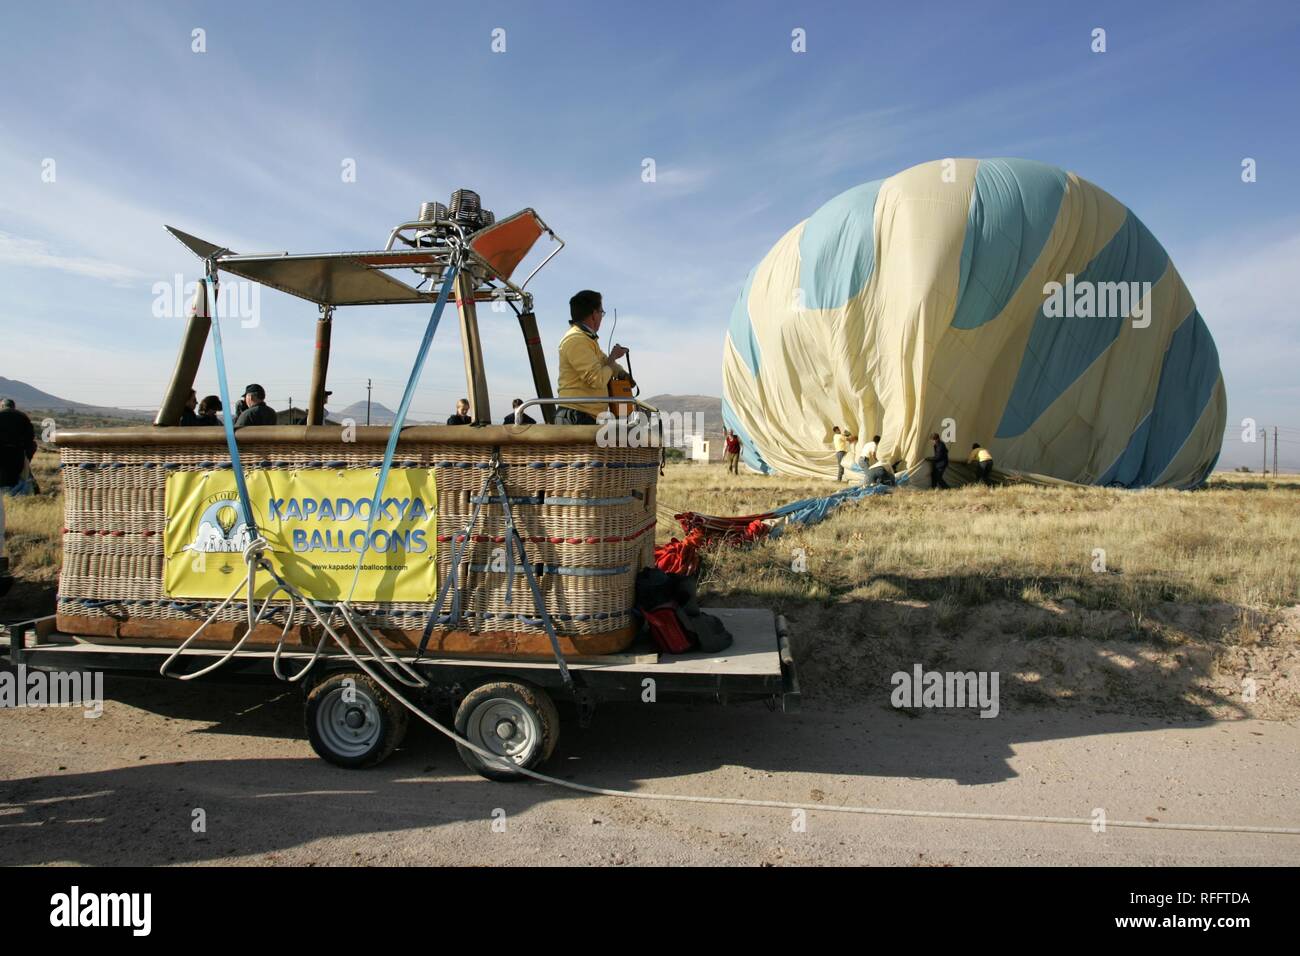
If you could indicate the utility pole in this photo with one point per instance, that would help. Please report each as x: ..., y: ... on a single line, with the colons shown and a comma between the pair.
x: 1265, y: 472
x: 1274, y: 450
x: 368, y: 387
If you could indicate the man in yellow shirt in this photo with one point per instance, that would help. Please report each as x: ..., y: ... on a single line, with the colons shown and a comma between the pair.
x: 841, y: 445
x: 982, y: 459
x: 584, y: 369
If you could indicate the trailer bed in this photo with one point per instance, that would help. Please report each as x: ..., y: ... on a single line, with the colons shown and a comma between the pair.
x: 758, y: 664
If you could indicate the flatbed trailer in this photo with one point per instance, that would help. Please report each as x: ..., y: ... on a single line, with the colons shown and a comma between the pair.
x: 504, y: 705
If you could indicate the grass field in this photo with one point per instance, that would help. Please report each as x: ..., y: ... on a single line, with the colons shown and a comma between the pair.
x: 34, y: 542
x: 1148, y: 600
x: 1229, y: 543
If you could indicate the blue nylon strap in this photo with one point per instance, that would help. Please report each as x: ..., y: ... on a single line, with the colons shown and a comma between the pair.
x: 539, y: 602
x: 514, y: 545
x: 228, y: 419
x: 434, y: 318
x: 458, y: 548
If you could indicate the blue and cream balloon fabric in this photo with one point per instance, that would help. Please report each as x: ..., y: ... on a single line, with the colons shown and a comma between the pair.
x: 1000, y: 301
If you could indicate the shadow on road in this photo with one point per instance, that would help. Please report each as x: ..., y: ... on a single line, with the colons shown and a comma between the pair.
x: 142, y: 814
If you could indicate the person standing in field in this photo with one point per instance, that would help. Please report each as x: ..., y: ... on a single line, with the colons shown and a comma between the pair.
x: 982, y: 459
x: 17, y: 448
x: 938, y: 462
x: 840, y: 442
x: 732, y: 447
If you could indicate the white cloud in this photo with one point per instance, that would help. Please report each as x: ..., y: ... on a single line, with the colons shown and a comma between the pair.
x: 16, y: 250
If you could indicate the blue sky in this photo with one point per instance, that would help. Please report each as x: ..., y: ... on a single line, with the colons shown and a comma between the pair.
x: 243, y: 144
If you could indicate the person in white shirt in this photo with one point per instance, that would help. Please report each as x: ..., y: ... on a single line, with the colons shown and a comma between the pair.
x: 867, y: 455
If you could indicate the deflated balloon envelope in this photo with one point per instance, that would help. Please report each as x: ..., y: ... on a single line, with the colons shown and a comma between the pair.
x: 999, y: 301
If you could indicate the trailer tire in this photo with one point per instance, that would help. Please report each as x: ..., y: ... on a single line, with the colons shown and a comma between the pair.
x: 357, y: 732
x: 512, y: 719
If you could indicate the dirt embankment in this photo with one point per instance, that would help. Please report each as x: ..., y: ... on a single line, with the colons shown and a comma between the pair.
x: 1215, y: 661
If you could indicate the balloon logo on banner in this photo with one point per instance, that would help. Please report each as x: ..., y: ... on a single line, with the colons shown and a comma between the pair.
x: 226, y: 519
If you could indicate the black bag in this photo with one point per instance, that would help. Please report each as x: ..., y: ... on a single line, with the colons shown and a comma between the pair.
x: 705, y: 630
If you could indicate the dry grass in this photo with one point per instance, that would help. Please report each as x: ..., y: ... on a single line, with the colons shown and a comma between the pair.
x: 1198, y: 594
x: 34, y: 525
x: 1236, y: 542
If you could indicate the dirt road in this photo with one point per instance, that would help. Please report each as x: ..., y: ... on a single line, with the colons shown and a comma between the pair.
x: 126, y: 788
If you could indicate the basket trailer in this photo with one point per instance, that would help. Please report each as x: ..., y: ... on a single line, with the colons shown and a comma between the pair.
x: 504, y: 705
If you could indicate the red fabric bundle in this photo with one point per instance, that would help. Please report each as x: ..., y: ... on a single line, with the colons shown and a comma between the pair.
x: 742, y: 529
x: 680, y: 557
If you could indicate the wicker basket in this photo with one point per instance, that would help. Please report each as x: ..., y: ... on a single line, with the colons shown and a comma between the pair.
x: 592, y: 533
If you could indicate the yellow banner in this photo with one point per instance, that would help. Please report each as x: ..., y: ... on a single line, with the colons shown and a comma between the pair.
x: 314, y: 522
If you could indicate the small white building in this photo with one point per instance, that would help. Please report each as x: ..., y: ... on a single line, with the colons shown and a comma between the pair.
x: 697, y: 448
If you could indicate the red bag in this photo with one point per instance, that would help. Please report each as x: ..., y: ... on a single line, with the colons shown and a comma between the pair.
x: 667, y: 630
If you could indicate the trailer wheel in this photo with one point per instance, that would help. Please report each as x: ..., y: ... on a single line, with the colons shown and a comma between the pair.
x: 352, y: 721
x: 515, y: 721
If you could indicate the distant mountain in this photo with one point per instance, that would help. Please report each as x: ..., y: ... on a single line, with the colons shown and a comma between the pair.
x: 379, y: 414
x: 31, y: 399
x: 706, y: 405
x: 701, y: 412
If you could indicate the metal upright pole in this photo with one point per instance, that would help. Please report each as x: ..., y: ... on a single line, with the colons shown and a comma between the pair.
x: 187, y: 366
x: 1265, y: 471
x: 475, y: 378
x: 1274, y: 450
x: 537, y: 361
x: 320, y: 366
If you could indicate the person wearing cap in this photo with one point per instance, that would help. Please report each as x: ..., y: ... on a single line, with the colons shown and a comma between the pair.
x: 584, y: 369
x: 256, y: 411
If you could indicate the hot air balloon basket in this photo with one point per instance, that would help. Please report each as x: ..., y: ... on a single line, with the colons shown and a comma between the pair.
x: 153, y: 541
